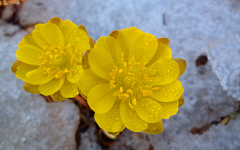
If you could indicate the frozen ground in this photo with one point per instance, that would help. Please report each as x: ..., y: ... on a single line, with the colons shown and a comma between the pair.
x: 197, y: 27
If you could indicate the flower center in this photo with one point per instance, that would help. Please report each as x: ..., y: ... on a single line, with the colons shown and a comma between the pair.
x: 133, y: 79
x: 58, y: 60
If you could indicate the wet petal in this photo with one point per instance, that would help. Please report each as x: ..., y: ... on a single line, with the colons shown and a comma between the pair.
x: 100, y: 98
x: 149, y: 110
x: 110, y: 121
x: 155, y: 128
x: 68, y: 89
x: 29, y: 54
x: 168, y: 93
x: 36, y: 77
x: 51, y: 87
x: 182, y: 64
x: 88, y: 80
x: 23, y: 69
x: 114, y: 34
x: 169, y: 109
x: 58, y: 96
x: 74, y: 78
x: 81, y: 27
x: 47, y: 34
x: 130, y: 118
x: 31, y: 88
x: 167, y: 70
x: 15, y: 65
x: 143, y: 47
x: 126, y: 37
x: 163, y: 51
x: 100, y: 61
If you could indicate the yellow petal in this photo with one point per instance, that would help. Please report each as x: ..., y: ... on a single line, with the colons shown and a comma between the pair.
x: 51, y: 87
x: 114, y: 34
x: 155, y: 128
x: 100, y: 98
x: 69, y: 90
x: 182, y: 65
x: 130, y: 118
x: 83, y: 28
x: 163, y: 51
x: 181, y: 101
x: 55, y: 20
x: 91, y: 42
x: 89, y: 80
x: 29, y: 54
x: 167, y: 70
x: 144, y: 47
x: 126, y: 37
x: 164, y: 40
x: 168, y: 93
x: 28, y: 40
x: 36, y: 77
x: 23, y: 69
x: 169, y: 109
x: 47, y: 34
x: 73, y: 78
x: 100, y: 62
x: 85, y: 62
x: 110, y: 121
x: 149, y: 110
x: 57, y: 96
x: 15, y: 65
x: 111, y: 46
x: 31, y: 88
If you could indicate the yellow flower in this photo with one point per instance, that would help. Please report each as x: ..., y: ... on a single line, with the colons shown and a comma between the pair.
x: 50, y: 59
x: 132, y: 81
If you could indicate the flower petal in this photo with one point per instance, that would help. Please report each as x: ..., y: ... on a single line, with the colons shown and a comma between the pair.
x: 100, y: 62
x: 15, y: 65
x: 29, y: 54
x: 155, y: 128
x: 85, y: 62
x: 149, y: 110
x: 110, y: 121
x: 28, y: 40
x: 100, y: 98
x: 31, y: 88
x: 69, y: 90
x: 47, y: 34
x: 163, y: 51
x: 73, y: 78
x: 110, y: 45
x: 143, y: 47
x: 169, y: 109
x: 82, y: 28
x: 36, y: 77
x: 91, y: 42
x: 126, y: 37
x: 168, y: 93
x: 55, y: 20
x: 164, y: 40
x: 88, y: 80
x: 58, y: 96
x: 181, y: 101
x: 51, y: 87
x: 114, y: 34
x: 23, y: 69
x: 182, y: 64
x: 167, y: 70
x: 131, y: 119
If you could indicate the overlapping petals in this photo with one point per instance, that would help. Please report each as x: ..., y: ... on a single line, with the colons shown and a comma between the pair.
x: 50, y: 59
x: 132, y: 81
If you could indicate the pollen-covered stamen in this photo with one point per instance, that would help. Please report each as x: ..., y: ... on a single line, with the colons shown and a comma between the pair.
x: 133, y: 79
x: 59, y: 60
